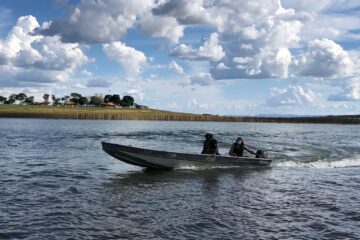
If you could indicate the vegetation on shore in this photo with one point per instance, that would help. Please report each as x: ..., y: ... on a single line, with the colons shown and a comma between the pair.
x: 74, y: 99
x: 105, y: 113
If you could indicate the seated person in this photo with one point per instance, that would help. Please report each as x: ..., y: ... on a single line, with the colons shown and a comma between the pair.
x: 237, y: 148
x: 214, y: 150
x: 206, y: 148
x: 210, y: 145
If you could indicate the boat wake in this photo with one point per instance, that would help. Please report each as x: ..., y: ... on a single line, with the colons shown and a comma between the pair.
x: 206, y: 167
x: 344, y: 163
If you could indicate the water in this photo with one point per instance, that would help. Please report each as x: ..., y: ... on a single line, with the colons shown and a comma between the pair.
x: 57, y: 183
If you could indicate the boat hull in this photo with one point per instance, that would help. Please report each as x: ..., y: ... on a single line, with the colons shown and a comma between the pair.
x: 169, y: 160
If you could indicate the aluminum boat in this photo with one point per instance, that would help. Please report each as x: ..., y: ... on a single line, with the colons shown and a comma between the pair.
x: 170, y: 160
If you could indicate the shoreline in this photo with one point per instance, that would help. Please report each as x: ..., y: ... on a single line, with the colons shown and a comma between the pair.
x: 100, y: 113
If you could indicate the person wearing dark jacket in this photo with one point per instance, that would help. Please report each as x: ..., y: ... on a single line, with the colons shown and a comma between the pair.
x: 210, y: 145
x: 214, y: 150
x: 238, y: 148
x: 206, y: 148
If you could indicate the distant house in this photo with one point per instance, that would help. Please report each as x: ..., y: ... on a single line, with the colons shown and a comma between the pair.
x: 108, y: 104
x: 141, y: 106
x: 69, y: 104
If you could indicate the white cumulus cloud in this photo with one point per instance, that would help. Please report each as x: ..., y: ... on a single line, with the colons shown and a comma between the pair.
x: 130, y: 58
x: 256, y: 38
x: 162, y: 26
x: 293, y: 95
x: 324, y: 58
x: 25, y: 58
x: 98, y: 21
x: 210, y: 51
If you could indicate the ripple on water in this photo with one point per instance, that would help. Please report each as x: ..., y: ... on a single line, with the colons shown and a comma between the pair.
x: 57, y: 183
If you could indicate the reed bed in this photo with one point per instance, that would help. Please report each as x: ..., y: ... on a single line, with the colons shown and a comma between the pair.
x: 100, y: 113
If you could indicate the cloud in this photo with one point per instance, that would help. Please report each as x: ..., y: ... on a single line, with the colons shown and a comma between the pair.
x: 293, y: 95
x: 263, y: 32
x: 99, y: 82
x: 25, y: 58
x: 130, y: 58
x: 202, y: 79
x: 256, y: 39
x: 136, y: 92
x: 86, y: 73
x: 334, y: 19
x: 350, y: 91
x: 98, y: 21
x: 185, y: 12
x: 323, y: 5
x: 169, y: 19
x: 11, y: 76
x: 210, y: 51
x: 158, y: 26
x: 324, y: 58
x: 176, y: 67
x: 221, y: 66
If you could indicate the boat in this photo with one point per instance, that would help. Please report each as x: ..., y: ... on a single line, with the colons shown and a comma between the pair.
x: 156, y: 159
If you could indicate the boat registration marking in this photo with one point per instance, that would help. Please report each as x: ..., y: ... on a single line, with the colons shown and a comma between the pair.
x: 172, y: 155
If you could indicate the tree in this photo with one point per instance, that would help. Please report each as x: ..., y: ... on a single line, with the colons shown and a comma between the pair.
x: 127, y: 101
x: 46, y: 97
x: 56, y: 101
x: 76, y: 95
x: 2, y: 99
x: 21, y: 97
x: 29, y: 100
x: 83, y: 101
x: 115, y: 99
x: 65, y: 98
x: 107, y: 98
x: 11, y: 99
x: 95, y: 100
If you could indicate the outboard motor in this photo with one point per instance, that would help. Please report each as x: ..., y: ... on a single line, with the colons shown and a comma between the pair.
x: 261, y: 154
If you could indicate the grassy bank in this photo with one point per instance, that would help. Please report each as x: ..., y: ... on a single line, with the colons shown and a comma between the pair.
x: 100, y: 113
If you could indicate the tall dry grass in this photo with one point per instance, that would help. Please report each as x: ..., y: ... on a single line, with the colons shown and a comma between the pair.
x: 100, y: 113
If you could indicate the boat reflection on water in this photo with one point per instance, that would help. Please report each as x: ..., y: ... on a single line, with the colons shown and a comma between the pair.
x: 181, y: 182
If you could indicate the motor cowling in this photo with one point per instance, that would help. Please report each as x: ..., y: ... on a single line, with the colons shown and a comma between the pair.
x: 261, y: 154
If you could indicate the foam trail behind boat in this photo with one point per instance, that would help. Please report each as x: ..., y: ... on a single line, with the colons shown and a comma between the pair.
x: 344, y: 163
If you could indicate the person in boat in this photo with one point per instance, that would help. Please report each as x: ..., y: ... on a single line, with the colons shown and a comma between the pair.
x: 214, y: 150
x: 206, y: 147
x: 238, y: 148
x: 210, y: 145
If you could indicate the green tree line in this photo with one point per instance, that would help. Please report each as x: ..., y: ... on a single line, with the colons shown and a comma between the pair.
x: 72, y: 99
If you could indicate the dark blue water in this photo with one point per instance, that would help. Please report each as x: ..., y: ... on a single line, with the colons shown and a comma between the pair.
x: 57, y: 183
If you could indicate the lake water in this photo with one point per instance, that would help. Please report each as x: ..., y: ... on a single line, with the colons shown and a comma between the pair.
x: 57, y: 183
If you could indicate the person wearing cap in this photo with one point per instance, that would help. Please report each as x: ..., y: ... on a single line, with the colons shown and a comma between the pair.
x: 238, y: 148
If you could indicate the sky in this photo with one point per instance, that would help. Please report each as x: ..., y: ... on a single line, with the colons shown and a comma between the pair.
x: 228, y: 57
